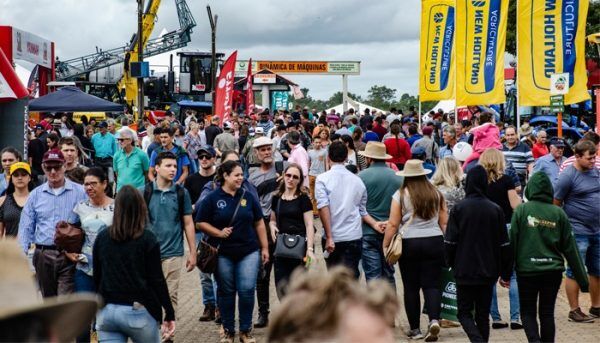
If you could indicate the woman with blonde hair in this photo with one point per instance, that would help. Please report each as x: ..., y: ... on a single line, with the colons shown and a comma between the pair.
x: 447, y: 179
x: 501, y: 190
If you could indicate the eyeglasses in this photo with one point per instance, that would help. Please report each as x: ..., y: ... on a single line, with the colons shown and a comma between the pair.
x: 49, y: 168
x: 91, y: 184
x: 292, y: 176
x: 204, y: 157
x: 122, y: 139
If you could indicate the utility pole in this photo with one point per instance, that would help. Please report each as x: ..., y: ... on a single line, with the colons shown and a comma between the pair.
x: 140, y: 80
x: 213, y: 63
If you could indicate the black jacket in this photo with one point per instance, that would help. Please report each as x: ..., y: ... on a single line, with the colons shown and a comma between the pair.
x: 476, y: 243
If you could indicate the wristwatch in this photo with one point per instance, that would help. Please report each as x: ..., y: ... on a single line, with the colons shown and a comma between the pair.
x: 311, y: 249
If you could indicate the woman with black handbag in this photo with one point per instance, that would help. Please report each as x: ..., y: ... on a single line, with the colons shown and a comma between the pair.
x: 235, y: 217
x: 291, y: 226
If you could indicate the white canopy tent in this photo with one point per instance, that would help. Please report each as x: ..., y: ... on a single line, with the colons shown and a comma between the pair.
x: 359, y: 107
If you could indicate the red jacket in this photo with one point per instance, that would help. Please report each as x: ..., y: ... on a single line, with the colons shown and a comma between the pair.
x: 399, y: 149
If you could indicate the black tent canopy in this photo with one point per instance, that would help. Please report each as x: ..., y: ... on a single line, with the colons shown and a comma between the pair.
x: 72, y: 99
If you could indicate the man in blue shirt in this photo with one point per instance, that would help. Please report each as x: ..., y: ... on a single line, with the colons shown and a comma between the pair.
x: 550, y: 164
x: 449, y: 137
x: 105, y: 146
x: 183, y: 161
x: 169, y: 222
x: 413, y: 134
x: 48, y: 204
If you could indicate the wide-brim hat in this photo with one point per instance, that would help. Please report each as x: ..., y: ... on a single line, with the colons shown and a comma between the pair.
x: 525, y: 130
x: 67, y: 315
x: 414, y: 168
x: 375, y: 150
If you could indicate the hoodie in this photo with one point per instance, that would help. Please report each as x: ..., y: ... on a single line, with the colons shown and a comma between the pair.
x: 476, y: 243
x: 541, y: 234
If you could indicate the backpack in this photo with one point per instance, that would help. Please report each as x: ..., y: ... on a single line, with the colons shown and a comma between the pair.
x: 148, y: 190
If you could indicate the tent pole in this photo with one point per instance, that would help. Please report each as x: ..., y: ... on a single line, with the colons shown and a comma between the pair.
x: 25, y: 134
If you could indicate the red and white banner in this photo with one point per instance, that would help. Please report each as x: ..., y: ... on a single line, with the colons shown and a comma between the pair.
x: 249, y: 91
x: 224, y: 94
x: 10, y: 85
x: 31, y: 48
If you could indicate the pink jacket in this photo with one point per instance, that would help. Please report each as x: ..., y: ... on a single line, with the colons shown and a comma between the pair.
x: 485, y: 136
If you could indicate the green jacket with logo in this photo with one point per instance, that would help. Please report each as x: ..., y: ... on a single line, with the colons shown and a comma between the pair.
x: 541, y: 235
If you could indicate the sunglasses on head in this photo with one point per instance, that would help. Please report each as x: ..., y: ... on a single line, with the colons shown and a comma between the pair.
x: 292, y: 176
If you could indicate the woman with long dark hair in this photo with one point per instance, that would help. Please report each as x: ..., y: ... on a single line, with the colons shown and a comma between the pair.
x: 134, y: 289
x: 291, y: 213
x: 352, y: 154
x: 234, y: 217
x: 421, y: 210
x: 17, y: 193
x: 8, y: 156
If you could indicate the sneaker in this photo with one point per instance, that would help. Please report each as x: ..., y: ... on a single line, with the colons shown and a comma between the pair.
x: 208, y: 314
x: 227, y: 337
x: 246, y: 337
x: 415, y: 334
x: 433, y: 332
x: 262, y: 321
x: 499, y: 324
x: 595, y: 312
x: 516, y: 326
x: 578, y: 316
x: 218, y: 320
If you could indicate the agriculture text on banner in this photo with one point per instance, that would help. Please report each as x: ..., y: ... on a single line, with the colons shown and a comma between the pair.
x: 480, y: 42
x: 224, y: 95
x: 551, y: 41
x: 436, y: 79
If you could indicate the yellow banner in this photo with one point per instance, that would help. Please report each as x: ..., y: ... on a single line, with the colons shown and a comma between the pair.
x: 551, y: 41
x: 436, y: 78
x: 480, y: 41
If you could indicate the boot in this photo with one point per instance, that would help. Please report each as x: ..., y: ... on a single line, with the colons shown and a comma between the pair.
x: 218, y: 317
x: 262, y: 321
x: 246, y: 337
x: 208, y: 314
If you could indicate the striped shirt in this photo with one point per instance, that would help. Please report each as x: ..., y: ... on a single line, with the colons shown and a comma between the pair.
x: 44, y: 209
x: 571, y: 160
x: 520, y: 156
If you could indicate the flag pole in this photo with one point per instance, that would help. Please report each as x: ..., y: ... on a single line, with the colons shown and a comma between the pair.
x: 518, y: 117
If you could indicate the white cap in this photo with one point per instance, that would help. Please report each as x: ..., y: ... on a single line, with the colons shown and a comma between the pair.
x: 262, y: 141
x: 461, y: 151
x: 259, y: 130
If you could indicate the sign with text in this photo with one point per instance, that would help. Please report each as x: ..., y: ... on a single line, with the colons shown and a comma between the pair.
x: 557, y: 103
x: 301, y: 67
x: 31, y: 48
x: 265, y: 78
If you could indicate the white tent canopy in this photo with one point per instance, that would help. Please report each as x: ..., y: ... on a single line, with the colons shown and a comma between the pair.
x: 359, y: 107
x: 446, y: 105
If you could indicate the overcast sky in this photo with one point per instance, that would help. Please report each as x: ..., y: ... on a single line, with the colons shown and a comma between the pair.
x: 383, y: 35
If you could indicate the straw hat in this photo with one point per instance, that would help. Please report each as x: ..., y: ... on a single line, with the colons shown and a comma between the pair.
x: 67, y: 316
x: 525, y: 129
x: 375, y: 150
x: 413, y: 168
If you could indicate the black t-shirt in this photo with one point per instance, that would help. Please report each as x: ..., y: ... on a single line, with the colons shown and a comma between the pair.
x: 290, y: 214
x: 195, y: 183
x: 498, y: 193
x: 36, y: 149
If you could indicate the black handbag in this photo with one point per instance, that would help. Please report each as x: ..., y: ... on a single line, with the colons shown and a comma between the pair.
x: 289, y: 245
x: 207, y: 254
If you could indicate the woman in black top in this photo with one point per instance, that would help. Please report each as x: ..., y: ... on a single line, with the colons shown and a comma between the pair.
x: 128, y: 275
x: 11, y: 205
x: 291, y: 213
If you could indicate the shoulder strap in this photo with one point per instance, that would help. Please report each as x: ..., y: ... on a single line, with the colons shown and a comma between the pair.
x: 181, y: 203
x: 279, y: 167
x: 237, y: 207
x: 148, y: 189
x: 277, y: 213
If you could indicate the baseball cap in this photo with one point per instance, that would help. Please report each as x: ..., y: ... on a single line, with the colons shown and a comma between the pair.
x: 259, y: 130
x: 103, y: 124
x: 226, y: 125
x: 262, y: 141
x: 20, y: 165
x: 53, y: 155
x: 557, y: 142
x: 39, y: 127
x: 208, y: 149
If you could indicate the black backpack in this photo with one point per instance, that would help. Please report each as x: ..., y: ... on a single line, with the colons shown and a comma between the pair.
x: 148, y: 190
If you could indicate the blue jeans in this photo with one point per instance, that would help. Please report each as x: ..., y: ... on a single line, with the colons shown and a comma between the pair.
x: 513, y: 297
x: 209, y: 285
x: 346, y: 254
x: 237, y: 277
x: 373, y: 261
x: 589, y: 250
x: 84, y: 282
x: 117, y: 323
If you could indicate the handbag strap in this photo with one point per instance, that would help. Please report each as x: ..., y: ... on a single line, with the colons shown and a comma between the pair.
x: 237, y: 207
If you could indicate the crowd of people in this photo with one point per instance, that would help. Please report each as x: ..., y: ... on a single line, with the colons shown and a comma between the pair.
x: 475, y: 198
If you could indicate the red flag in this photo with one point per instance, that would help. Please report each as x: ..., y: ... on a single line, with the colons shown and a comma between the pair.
x: 224, y: 95
x: 249, y: 91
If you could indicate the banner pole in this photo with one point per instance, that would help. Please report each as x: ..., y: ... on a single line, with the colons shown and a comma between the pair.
x: 518, y: 117
x: 419, y: 114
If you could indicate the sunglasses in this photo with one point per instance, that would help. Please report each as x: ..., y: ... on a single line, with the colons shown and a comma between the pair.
x: 122, y: 139
x: 49, y: 168
x: 204, y: 157
x: 292, y: 176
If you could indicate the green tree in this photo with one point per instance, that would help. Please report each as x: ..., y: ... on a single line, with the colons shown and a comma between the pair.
x: 380, y: 97
x: 511, y: 28
x: 337, y: 99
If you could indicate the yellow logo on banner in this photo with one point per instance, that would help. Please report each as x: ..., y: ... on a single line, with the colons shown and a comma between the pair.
x: 480, y: 42
x: 436, y: 79
x: 551, y: 41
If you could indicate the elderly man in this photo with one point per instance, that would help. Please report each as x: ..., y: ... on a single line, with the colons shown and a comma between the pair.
x: 449, y: 136
x: 48, y: 204
x: 226, y: 141
x: 518, y: 153
x: 550, y: 164
x: 539, y: 148
x: 130, y: 164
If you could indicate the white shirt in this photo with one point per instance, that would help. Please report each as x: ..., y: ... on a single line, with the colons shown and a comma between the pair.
x: 346, y: 196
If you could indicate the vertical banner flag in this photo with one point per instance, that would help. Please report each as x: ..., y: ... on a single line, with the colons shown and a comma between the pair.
x: 436, y: 79
x: 551, y: 41
x: 249, y: 91
x: 480, y: 42
x: 224, y: 95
